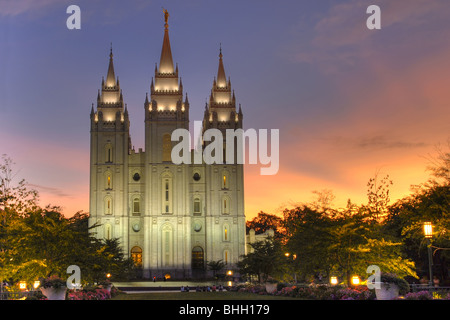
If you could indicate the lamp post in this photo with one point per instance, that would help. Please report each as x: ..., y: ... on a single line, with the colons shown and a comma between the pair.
x: 428, y: 231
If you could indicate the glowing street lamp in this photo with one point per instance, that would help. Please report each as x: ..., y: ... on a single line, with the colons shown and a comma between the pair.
x: 334, y: 281
x: 22, y: 285
x: 36, y: 284
x: 230, y: 273
x: 428, y: 231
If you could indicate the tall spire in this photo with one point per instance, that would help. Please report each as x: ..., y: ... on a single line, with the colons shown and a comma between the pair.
x: 221, y: 78
x: 166, y: 62
x: 111, y: 77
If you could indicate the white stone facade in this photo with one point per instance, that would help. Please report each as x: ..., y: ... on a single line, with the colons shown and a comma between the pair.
x: 171, y: 219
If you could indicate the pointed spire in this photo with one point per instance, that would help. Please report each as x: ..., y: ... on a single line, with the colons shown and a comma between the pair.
x: 166, y: 62
x: 111, y: 77
x: 221, y: 78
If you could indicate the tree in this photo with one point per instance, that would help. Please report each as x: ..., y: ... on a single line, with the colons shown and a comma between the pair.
x: 38, y: 242
x: 344, y: 243
x: 378, y: 197
x: 15, y: 199
x: 267, y: 260
x: 265, y: 221
x: 429, y: 201
x: 215, y: 266
x: 308, y: 238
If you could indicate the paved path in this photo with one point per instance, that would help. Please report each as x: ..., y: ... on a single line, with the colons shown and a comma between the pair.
x: 161, y: 286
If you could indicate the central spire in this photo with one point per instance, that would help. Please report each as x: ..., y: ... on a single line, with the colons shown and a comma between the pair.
x: 221, y: 78
x: 111, y: 77
x: 166, y: 62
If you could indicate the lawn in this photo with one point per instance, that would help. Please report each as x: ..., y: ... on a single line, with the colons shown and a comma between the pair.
x: 226, y: 295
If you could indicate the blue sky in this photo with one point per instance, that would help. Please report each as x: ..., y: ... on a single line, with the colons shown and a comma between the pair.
x: 348, y: 101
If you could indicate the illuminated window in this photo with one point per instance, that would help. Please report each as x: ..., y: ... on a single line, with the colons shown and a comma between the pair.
x: 197, y: 258
x: 108, y: 181
x: 167, y: 148
x: 226, y: 256
x: 225, y: 205
x: 225, y: 180
x: 136, y: 256
x: 226, y: 233
x: 108, y: 205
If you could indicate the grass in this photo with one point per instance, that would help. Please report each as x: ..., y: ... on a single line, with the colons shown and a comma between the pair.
x: 226, y: 295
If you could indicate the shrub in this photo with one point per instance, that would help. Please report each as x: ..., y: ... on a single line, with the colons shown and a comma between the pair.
x: 53, y: 282
x: 89, y: 294
x: 394, y: 279
x: 421, y: 295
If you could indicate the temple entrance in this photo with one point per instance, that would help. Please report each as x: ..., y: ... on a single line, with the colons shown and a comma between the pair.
x: 198, y: 262
x: 136, y: 256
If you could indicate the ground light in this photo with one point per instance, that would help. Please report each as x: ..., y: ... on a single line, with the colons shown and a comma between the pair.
x: 355, y: 280
x: 334, y: 281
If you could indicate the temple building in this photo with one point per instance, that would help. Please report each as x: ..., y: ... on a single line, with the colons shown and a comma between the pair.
x: 171, y: 219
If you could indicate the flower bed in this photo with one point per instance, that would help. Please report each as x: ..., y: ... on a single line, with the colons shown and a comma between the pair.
x: 319, y: 292
x: 90, y: 294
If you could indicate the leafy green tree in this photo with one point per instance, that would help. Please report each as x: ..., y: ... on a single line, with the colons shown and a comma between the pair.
x: 37, y: 243
x: 429, y: 201
x: 342, y: 243
x: 378, y: 197
x: 265, y: 221
x: 216, y: 266
x: 308, y: 239
x: 266, y: 261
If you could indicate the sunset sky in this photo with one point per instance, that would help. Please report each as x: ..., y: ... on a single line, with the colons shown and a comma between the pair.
x: 348, y: 101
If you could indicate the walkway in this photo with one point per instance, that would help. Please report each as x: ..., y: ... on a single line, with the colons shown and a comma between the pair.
x: 159, y: 286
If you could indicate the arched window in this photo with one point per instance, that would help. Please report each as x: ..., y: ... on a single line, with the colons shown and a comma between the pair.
x: 225, y: 181
x: 136, y: 256
x: 136, y: 205
x: 167, y: 148
x: 107, y: 232
x: 108, y: 180
x: 226, y: 205
x: 166, y: 194
x: 108, y: 205
x: 197, y: 207
x: 226, y: 256
x: 226, y: 232
x: 167, y: 245
x: 197, y: 258
x: 108, y: 153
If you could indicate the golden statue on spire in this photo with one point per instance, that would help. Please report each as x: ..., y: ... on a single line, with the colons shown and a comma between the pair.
x: 166, y: 17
